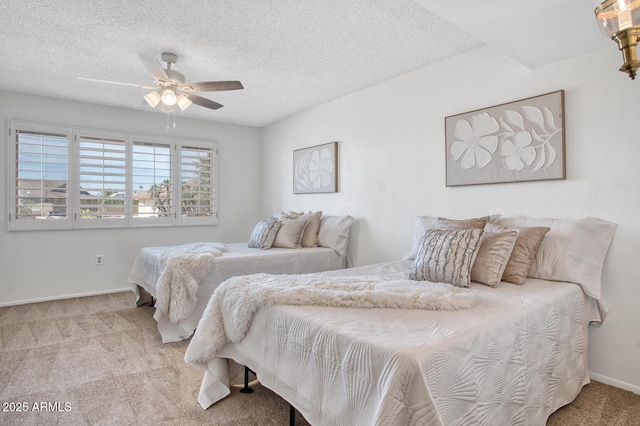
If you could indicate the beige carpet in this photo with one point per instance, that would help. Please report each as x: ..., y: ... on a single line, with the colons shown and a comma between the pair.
x: 99, y: 361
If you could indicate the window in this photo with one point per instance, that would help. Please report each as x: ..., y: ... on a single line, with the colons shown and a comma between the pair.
x: 65, y: 178
x: 198, y: 178
x: 39, y: 170
x: 152, y: 180
x: 101, y: 179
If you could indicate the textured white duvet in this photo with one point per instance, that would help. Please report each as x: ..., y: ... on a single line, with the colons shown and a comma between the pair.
x: 514, y: 359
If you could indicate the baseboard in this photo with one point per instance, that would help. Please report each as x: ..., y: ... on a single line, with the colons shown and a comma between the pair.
x: 614, y: 382
x: 67, y: 296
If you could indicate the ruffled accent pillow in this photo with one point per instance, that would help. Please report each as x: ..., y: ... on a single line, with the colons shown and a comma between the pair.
x: 493, y: 255
x: 446, y: 256
x: 264, y: 233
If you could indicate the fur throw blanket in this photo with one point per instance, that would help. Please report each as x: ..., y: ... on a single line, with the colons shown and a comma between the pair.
x: 230, y: 311
x: 183, y: 269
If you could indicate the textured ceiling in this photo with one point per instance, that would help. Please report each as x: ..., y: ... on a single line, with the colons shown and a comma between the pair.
x: 289, y: 54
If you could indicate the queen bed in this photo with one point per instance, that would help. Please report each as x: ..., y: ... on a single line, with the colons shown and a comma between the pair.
x: 179, y: 280
x: 385, y: 349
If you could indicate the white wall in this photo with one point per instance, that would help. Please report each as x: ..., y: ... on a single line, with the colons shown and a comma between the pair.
x: 392, y: 168
x: 60, y: 263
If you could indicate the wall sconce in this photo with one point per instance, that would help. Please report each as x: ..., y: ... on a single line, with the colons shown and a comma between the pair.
x: 620, y: 20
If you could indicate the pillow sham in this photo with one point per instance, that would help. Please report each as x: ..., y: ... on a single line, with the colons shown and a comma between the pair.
x: 424, y: 223
x: 523, y: 253
x: 264, y: 233
x: 573, y: 250
x: 290, y: 233
x: 334, y: 233
x: 446, y: 256
x: 493, y: 254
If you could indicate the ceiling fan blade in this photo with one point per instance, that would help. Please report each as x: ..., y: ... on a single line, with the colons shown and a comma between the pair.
x: 212, y: 86
x: 154, y: 67
x: 95, y: 80
x: 203, y: 102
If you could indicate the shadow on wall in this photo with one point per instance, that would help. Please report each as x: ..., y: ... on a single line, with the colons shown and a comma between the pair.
x: 354, y: 238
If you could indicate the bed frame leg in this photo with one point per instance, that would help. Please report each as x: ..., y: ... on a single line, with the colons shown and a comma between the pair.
x: 292, y: 415
x: 246, y: 388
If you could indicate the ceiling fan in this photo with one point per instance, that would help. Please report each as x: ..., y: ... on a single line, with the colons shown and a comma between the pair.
x: 170, y: 88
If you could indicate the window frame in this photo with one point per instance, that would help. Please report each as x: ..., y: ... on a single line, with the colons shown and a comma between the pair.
x: 74, y: 219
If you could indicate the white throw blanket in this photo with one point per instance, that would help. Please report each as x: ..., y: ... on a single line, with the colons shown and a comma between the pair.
x: 183, y: 269
x: 231, y: 308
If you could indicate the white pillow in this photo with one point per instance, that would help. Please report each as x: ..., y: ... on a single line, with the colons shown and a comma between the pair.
x: 573, y: 250
x: 334, y: 233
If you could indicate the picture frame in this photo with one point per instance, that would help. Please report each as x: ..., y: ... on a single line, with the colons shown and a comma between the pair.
x: 315, y: 169
x: 517, y: 141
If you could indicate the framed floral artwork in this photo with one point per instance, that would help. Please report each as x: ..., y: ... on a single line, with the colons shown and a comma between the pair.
x: 315, y: 169
x: 513, y: 142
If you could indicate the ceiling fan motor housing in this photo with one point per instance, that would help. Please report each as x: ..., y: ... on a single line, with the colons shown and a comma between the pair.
x: 170, y: 58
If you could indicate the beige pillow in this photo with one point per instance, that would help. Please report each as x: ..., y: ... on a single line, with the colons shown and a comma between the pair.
x: 493, y: 255
x: 446, y: 256
x: 310, y: 235
x: 424, y: 223
x: 524, y: 253
x: 290, y: 233
x: 452, y: 224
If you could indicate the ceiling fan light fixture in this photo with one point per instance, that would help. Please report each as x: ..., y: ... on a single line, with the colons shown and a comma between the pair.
x: 166, y: 108
x: 153, y: 99
x: 183, y: 101
x: 169, y: 97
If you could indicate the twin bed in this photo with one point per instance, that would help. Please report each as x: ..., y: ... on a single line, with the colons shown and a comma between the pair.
x: 368, y: 346
x: 229, y: 260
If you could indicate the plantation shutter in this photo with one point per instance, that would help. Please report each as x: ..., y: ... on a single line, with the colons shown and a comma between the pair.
x: 40, y: 168
x: 198, y: 182
x: 102, y: 171
x: 152, y: 181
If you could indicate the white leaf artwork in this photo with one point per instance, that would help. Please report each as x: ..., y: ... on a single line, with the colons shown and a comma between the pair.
x: 513, y: 142
x: 315, y: 169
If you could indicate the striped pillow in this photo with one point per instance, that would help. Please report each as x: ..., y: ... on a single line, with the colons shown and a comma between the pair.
x: 264, y: 233
x: 446, y: 256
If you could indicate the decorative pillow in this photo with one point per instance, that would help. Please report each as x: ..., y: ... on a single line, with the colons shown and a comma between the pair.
x: 290, y: 233
x: 446, y: 256
x: 310, y: 235
x: 424, y: 223
x: 493, y: 255
x: 524, y: 252
x: 334, y: 233
x: 264, y: 233
x: 573, y: 250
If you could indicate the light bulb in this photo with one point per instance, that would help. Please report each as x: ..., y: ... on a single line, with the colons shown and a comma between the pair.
x: 169, y: 97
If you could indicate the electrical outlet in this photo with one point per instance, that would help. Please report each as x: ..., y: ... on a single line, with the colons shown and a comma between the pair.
x: 99, y: 260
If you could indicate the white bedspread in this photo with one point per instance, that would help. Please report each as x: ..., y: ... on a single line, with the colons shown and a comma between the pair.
x: 230, y: 311
x: 237, y: 260
x: 513, y: 360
